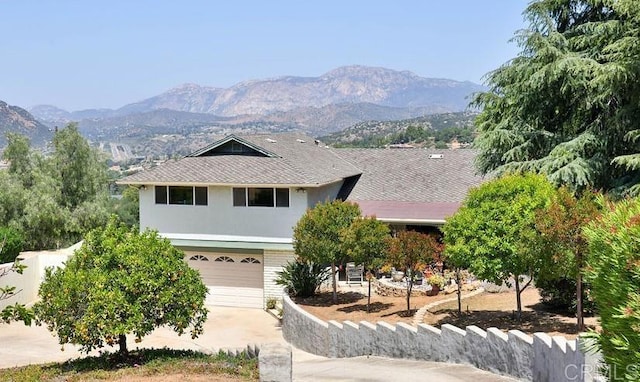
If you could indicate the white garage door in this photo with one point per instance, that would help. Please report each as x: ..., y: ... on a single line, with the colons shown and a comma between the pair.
x: 232, y: 279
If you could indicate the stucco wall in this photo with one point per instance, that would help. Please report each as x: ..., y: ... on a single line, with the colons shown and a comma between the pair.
x: 220, y: 217
x: 537, y: 358
x: 273, y: 263
x: 322, y: 194
x: 28, y: 282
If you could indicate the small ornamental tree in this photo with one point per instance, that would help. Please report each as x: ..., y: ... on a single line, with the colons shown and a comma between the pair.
x: 120, y: 282
x: 493, y: 230
x: 317, y: 235
x: 407, y: 250
x: 366, y: 242
x: 562, y: 243
x: 613, y: 271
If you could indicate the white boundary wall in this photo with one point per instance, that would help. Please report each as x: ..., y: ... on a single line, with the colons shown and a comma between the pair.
x: 533, y: 358
x: 28, y: 282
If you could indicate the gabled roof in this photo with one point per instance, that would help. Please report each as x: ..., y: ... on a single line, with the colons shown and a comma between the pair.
x: 288, y: 160
x: 211, y: 149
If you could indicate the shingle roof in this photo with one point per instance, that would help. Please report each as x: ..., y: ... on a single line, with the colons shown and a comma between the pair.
x: 412, y: 175
x: 411, y: 184
x: 299, y: 161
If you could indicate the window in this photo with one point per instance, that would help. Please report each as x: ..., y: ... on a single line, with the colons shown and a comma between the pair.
x: 239, y: 197
x: 282, y: 197
x: 161, y: 194
x: 261, y: 197
x: 201, y: 196
x: 250, y: 260
x: 182, y: 195
x: 199, y: 258
x: 224, y: 259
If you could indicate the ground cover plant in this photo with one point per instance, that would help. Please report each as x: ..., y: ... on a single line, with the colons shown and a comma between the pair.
x: 141, y: 365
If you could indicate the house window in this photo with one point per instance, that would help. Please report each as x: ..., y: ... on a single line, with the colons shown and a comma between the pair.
x: 250, y: 260
x: 161, y: 194
x: 261, y: 197
x: 182, y: 195
x: 282, y: 197
x: 201, y: 196
x: 224, y: 259
x: 239, y: 197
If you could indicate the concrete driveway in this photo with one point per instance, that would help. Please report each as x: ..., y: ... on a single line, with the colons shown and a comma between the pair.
x: 225, y: 328
x: 231, y: 328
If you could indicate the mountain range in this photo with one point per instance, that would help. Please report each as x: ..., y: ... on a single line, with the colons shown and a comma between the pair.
x: 14, y: 119
x: 315, y: 105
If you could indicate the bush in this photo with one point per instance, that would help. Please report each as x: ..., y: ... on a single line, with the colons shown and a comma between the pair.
x: 613, y: 270
x: 560, y: 294
x: 13, y: 244
x: 302, y: 278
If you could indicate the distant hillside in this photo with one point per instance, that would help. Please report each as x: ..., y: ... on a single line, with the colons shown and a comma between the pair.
x: 17, y: 120
x: 162, y: 121
x: 336, y: 117
x: 436, y: 129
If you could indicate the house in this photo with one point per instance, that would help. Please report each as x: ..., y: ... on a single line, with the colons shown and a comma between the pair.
x: 232, y: 206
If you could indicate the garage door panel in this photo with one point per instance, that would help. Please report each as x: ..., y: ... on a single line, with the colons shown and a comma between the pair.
x: 230, y: 283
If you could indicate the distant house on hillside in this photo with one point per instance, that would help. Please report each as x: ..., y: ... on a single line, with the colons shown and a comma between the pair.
x: 232, y: 205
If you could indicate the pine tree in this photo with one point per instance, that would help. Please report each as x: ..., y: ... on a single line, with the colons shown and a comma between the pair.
x: 567, y: 105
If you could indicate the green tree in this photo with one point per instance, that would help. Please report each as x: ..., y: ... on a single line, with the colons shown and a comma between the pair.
x: 128, y: 208
x: 81, y: 170
x: 365, y: 242
x: 409, y: 249
x: 566, y: 106
x: 493, y: 230
x: 317, y: 235
x: 613, y: 269
x: 20, y: 157
x: 562, y: 243
x: 12, y: 244
x: 119, y: 282
x: 53, y: 200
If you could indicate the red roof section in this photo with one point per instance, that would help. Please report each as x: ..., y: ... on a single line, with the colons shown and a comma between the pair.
x: 415, y: 211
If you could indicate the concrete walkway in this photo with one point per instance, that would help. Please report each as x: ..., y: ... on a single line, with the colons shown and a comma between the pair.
x: 232, y: 328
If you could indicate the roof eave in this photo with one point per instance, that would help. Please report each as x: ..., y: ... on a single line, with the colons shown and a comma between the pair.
x: 434, y: 221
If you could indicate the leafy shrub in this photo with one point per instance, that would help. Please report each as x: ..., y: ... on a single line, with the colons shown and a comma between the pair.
x: 613, y: 270
x: 560, y: 294
x: 13, y: 244
x: 436, y: 280
x: 272, y: 302
x: 302, y: 278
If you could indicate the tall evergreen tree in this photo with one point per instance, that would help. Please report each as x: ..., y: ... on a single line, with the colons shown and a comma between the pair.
x: 567, y: 105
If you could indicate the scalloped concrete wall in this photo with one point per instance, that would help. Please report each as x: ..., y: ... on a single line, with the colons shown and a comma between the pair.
x: 533, y: 358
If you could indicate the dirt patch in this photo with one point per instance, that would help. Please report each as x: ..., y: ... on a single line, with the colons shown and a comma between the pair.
x: 499, y: 310
x: 352, y: 306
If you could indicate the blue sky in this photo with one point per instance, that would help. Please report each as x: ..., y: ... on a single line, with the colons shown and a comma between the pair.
x: 94, y: 54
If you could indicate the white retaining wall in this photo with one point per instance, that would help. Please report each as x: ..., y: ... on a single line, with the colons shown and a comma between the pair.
x: 28, y: 282
x: 533, y: 358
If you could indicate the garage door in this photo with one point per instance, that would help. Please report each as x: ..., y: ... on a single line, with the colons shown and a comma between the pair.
x: 232, y: 279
